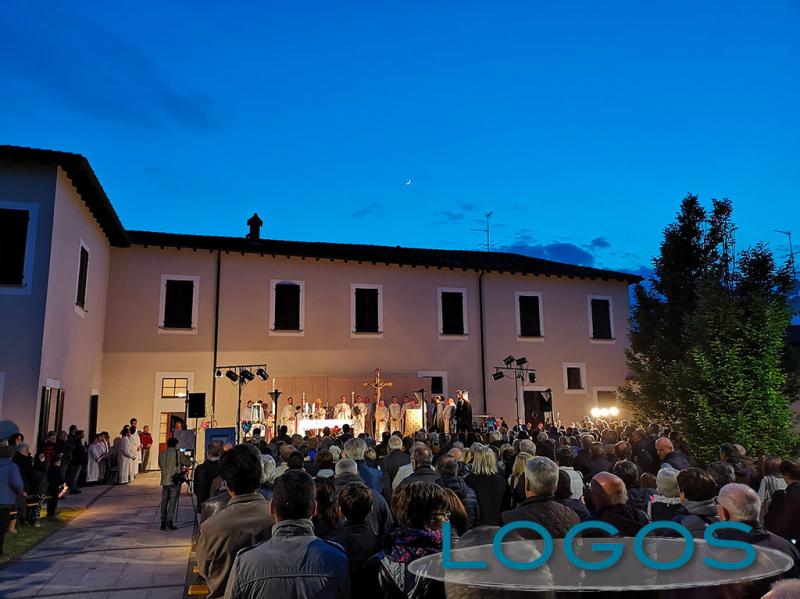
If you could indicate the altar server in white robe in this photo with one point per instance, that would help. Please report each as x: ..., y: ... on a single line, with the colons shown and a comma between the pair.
x: 126, y: 457
x: 360, y: 412
x: 288, y: 416
x: 342, y: 410
x: 97, y: 455
x: 137, y: 444
x: 381, y: 419
x: 395, y: 415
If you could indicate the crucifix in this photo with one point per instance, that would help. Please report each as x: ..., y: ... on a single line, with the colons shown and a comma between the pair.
x: 378, y: 384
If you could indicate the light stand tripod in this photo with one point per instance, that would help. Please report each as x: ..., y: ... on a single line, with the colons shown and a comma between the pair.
x: 240, y: 375
x: 522, y: 372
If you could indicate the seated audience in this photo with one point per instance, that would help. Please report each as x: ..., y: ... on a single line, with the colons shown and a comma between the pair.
x: 783, y: 517
x: 563, y: 495
x: 610, y: 499
x: 447, y: 468
x: 360, y: 543
x: 490, y: 487
x: 629, y: 473
x: 565, y: 458
x: 380, y: 518
x: 422, y: 464
x: 372, y: 477
x: 324, y: 462
x: 669, y: 456
x: 205, y: 473
x: 326, y: 518
x: 666, y: 502
x: 698, y: 491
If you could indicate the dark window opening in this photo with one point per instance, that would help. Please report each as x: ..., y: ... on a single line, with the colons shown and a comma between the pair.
x: 606, y: 399
x: 178, y: 305
x: 529, y: 325
x: 452, y: 313
x: 83, y: 272
x: 13, y: 238
x: 287, y: 307
x: 437, y: 385
x: 367, y: 311
x: 601, y: 319
x: 574, y: 378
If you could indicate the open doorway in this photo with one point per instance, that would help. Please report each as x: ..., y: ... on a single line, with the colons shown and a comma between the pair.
x: 167, y: 425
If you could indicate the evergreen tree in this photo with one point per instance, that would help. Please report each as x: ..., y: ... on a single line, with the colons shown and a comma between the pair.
x: 708, y: 338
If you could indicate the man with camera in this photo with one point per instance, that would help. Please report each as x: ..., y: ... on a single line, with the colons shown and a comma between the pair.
x: 174, y: 465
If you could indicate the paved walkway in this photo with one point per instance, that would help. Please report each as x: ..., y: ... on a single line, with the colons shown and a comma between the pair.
x: 114, y: 549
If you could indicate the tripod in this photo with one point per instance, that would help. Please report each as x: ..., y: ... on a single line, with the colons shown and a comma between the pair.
x: 191, y: 499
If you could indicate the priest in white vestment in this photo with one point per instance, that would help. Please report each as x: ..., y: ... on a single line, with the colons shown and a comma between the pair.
x: 395, y: 415
x: 342, y: 409
x: 96, y: 458
x: 288, y: 417
x: 360, y: 411
x: 126, y: 457
x: 381, y: 419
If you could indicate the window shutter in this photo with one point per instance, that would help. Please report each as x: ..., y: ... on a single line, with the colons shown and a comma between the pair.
x: 574, y: 378
x: 287, y: 307
x: 601, y: 319
x: 83, y: 271
x: 13, y: 238
x: 529, y: 325
x: 367, y: 311
x: 452, y: 313
x: 178, y: 304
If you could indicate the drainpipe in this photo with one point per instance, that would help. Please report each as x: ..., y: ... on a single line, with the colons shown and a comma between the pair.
x: 216, y: 341
x: 483, y: 345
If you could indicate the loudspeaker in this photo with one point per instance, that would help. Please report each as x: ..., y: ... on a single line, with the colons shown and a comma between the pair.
x: 196, y: 405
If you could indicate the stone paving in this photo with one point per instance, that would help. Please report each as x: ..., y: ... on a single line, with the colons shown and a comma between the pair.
x: 113, y: 549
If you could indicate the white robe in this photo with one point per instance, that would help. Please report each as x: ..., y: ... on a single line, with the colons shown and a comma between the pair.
x: 94, y: 465
x: 360, y: 419
x: 396, y: 417
x: 137, y: 448
x: 126, y: 458
x: 288, y: 418
x: 381, y: 421
x: 342, y: 411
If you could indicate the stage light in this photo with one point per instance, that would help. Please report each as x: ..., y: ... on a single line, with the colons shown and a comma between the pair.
x: 234, y: 378
x: 246, y: 375
x: 262, y: 374
x: 218, y: 373
x: 614, y: 411
x: 509, y: 361
x: 522, y: 361
x: 498, y: 375
x: 532, y: 376
x: 604, y: 412
x: 595, y: 412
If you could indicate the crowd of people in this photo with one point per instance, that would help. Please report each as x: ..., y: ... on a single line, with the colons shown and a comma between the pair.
x: 343, y: 516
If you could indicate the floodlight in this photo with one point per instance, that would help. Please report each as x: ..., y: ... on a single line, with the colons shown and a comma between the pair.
x: 604, y: 412
x: 522, y: 361
x: 246, y: 375
x: 614, y: 411
x: 595, y: 412
x: 498, y: 375
x: 508, y: 361
x: 262, y: 374
x: 232, y: 376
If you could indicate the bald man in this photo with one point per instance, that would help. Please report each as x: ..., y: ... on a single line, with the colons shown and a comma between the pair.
x: 669, y: 456
x: 740, y: 503
x: 610, y: 499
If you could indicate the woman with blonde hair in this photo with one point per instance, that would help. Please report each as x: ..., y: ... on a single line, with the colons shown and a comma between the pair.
x: 490, y: 486
x: 516, y: 482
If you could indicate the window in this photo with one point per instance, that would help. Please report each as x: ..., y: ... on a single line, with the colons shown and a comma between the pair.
x: 13, y: 241
x: 367, y: 309
x: 574, y: 378
x: 529, y: 315
x: 606, y: 398
x: 287, y: 307
x: 178, y: 307
x: 452, y: 312
x: 601, y: 320
x: 83, y: 272
x: 437, y: 385
x: 172, y: 388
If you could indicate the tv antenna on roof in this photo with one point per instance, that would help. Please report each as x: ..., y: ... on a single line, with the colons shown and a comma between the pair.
x: 486, y: 230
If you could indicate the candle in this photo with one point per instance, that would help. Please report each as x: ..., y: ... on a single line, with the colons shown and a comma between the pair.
x: 273, y: 384
x: 352, y: 396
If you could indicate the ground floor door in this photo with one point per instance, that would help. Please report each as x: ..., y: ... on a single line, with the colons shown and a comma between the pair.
x: 167, y: 425
x: 51, y: 412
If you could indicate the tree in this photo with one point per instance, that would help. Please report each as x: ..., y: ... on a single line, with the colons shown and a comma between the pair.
x: 707, y: 338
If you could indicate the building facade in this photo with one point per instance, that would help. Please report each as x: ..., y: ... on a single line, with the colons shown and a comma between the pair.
x: 100, y: 324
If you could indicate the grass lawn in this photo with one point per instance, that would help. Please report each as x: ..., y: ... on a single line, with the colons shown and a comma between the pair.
x: 28, y: 536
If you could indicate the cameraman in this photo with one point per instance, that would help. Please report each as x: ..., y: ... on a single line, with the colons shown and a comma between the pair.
x: 173, y: 464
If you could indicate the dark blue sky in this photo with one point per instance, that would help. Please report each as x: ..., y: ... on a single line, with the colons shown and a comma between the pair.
x: 580, y: 124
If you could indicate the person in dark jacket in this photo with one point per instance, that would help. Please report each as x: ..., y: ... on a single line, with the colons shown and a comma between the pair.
x: 396, y: 458
x: 783, y: 515
x: 463, y: 412
x: 643, y: 451
x: 698, y: 490
x: 610, y: 500
x: 294, y: 562
x: 447, y: 469
x: 360, y: 543
x: 372, y: 477
x: 596, y: 462
x: 422, y: 464
x: 55, y: 483
x: 540, y: 506
x: 489, y: 485
x: 78, y: 463
x: 629, y: 473
x: 669, y: 456
x: 34, y: 477
x: 205, y: 473
x: 326, y: 520
x: 380, y: 518
x: 11, y: 486
x: 563, y: 495
x: 64, y: 449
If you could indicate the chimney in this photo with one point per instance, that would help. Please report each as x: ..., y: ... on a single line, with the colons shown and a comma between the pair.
x: 255, y: 227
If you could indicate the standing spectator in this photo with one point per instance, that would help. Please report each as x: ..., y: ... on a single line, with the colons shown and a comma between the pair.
x: 669, y: 456
x: 34, y: 478
x: 146, y: 439
x: 447, y: 468
x: 293, y: 562
x: 422, y: 464
x: 372, y: 477
x: 629, y: 473
x: 782, y: 517
x: 360, y: 543
x: 326, y: 518
x: 244, y: 522
x: 540, y: 506
x: 396, y: 457
x: 64, y: 449
x: 644, y: 451
x: 324, y: 462
x: 171, y: 462
x: 11, y: 485
x: 771, y: 481
x: 743, y: 469
x: 516, y: 481
x: 698, y: 490
x: 205, y: 473
x: 722, y: 472
x: 380, y: 518
x: 490, y: 487
x: 565, y: 459
x: 78, y: 463
x: 55, y: 486
x: 420, y: 509
x: 563, y: 495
